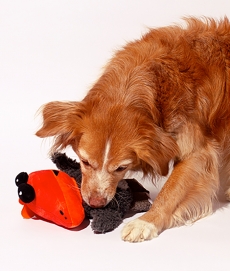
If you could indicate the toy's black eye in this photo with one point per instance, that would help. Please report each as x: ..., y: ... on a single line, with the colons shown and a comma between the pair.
x: 121, y: 168
x: 21, y: 178
x: 26, y: 193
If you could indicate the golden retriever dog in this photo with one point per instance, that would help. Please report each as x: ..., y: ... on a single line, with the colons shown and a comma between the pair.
x: 165, y: 97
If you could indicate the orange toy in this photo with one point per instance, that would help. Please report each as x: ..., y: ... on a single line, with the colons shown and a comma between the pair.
x: 43, y: 194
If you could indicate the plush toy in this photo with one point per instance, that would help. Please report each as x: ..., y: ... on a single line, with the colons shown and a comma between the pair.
x: 130, y: 196
x: 51, y: 195
x: 54, y: 195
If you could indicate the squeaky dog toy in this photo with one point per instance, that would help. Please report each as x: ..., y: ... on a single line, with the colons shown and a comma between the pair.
x: 51, y: 195
x: 54, y: 196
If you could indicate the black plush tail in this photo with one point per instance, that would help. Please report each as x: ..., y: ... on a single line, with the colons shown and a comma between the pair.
x: 63, y: 162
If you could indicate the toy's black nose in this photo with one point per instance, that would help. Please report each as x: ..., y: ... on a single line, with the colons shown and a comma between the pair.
x: 26, y: 192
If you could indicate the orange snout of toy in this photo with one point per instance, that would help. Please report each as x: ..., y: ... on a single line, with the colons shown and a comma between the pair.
x: 51, y: 195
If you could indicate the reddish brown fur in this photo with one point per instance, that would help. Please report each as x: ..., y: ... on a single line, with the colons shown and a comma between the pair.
x: 164, y: 97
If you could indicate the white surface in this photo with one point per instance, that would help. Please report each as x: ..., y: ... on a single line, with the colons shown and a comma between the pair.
x: 53, y: 50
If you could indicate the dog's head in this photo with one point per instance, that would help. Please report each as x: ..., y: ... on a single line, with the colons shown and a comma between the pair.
x: 109, y: 142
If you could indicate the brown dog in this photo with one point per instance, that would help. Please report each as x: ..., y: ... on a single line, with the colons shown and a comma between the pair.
x: 164, y: 97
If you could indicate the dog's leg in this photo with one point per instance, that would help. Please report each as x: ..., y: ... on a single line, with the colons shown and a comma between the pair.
x: 226, y: 182
x: 225, y: 171
x: 186, y: 196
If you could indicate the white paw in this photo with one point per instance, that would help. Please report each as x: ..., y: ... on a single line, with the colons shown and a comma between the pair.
x: 138, y: 231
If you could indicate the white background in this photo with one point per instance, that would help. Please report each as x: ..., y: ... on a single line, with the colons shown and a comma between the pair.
x: 54, y: 50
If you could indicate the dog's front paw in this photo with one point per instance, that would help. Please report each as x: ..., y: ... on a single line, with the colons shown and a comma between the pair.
x: 138, y: 231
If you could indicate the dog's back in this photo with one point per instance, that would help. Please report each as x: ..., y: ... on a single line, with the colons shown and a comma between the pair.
x: 182, y: 73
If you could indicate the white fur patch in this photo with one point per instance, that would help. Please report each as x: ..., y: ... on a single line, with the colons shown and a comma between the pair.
x: 103, y: 173
x: 139, y: 231
x: 106, y: 153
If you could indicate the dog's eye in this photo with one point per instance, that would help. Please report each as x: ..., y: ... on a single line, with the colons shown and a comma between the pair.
x: 121, y: 168
x: 86, y: 163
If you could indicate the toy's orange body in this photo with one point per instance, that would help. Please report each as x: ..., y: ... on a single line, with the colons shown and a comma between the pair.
x: 57, y: 198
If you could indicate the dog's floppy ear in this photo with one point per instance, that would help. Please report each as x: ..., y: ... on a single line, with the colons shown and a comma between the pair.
x: 62, y: 120
x: 155, y: 153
